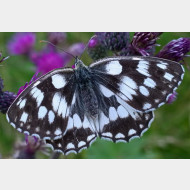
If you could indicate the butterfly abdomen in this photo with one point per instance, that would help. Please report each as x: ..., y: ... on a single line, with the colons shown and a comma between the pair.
x: 90, y: 102
x: 85, y: 88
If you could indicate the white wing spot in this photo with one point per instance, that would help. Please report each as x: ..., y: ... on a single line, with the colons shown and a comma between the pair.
x: 70, y: 146
x: 24, y: 117
x: 141, y: 126
x: 36, y: 92
x: 168, y: 76
x: 35, y: 84
x: 129, y: 82
x: 163, y: 63
x: 113, y: 114
x: 58, y: 131
x: 19, y: 129
x: 106, y: 92
x: 127, y: 91
x: 114, y: 68
x: 119, y: 135
x: 58, y: 81
x: 37, y: 129
x: 122, y: 112
x: 77, y: 121
x: 39, y: 99
x: 149, y: 82
x: 90, y: 137
x: 62, y: 107
x: 42, y: 112
x: 131, y: 132
x: 56, y: 101
x: 157, y: 100
x: 51, y: 116
x: 48, y: 132
x: 146, y: 106
x: 22, y: 104
x: 143, y: 64
x: 143, y: 68
x: 19, y: 101
x: 81, y: 143
x: 144, y: 91
x: 162, y: 66
x: 107, y: 134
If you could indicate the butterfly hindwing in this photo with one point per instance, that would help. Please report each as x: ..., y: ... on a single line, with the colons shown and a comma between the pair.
x: 145, y: 83
x: 42, y: 109
x: 117, y: 120
x: 75, y: 140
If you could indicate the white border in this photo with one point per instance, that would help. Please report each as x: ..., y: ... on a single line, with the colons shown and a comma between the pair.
x: 95, y: 174
x: 99, y: 15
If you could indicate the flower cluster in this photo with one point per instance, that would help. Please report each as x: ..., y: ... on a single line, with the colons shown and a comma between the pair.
x: 28, y: 148
x: 6, y: 97
x: 21, y: 43
x: 49, y: 57
x: 175, y: 50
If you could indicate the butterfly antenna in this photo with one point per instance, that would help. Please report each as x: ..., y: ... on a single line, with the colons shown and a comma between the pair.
x: 86, y: 46
x: 44, y: 41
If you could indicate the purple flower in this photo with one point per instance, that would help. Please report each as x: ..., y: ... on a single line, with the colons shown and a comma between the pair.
x: 35, y: 77
x: 114, y: 41
x: 172, y: 98
x: 93, y: 42
x: 76, y: 50
x: 27, y: 149
x: 175, y: 50
x: 47, y: 61
x: 56, y: 37
x: 95, y: 49
x: 6, y: 99
x: 143, y: 43
x: 1, y: 85
x: 21, y: 43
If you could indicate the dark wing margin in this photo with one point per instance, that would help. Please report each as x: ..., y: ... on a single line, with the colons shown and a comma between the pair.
x: 145, y: 83
x: 42, y: 109
x: 74, y: 141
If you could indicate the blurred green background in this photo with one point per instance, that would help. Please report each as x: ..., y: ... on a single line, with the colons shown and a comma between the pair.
x: 168, y: 137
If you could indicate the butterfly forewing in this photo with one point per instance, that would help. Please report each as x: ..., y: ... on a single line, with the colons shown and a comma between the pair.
x: 43, y: 108
x: 145, y: 83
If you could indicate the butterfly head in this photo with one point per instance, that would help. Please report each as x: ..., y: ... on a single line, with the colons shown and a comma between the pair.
x: 78, y: 63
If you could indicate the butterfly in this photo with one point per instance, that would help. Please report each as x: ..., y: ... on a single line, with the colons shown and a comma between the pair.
x: 113, y: 98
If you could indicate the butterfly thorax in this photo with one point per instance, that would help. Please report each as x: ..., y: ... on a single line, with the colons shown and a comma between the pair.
x: 85, y: 90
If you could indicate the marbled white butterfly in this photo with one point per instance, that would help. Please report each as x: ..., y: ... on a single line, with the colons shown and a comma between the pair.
x: 113, y: 98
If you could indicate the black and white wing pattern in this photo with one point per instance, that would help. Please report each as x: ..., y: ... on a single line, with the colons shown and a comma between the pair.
x: 145, y: 83
x: 116, y: 121
x: 42, y: 109
x: 113, y: 98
